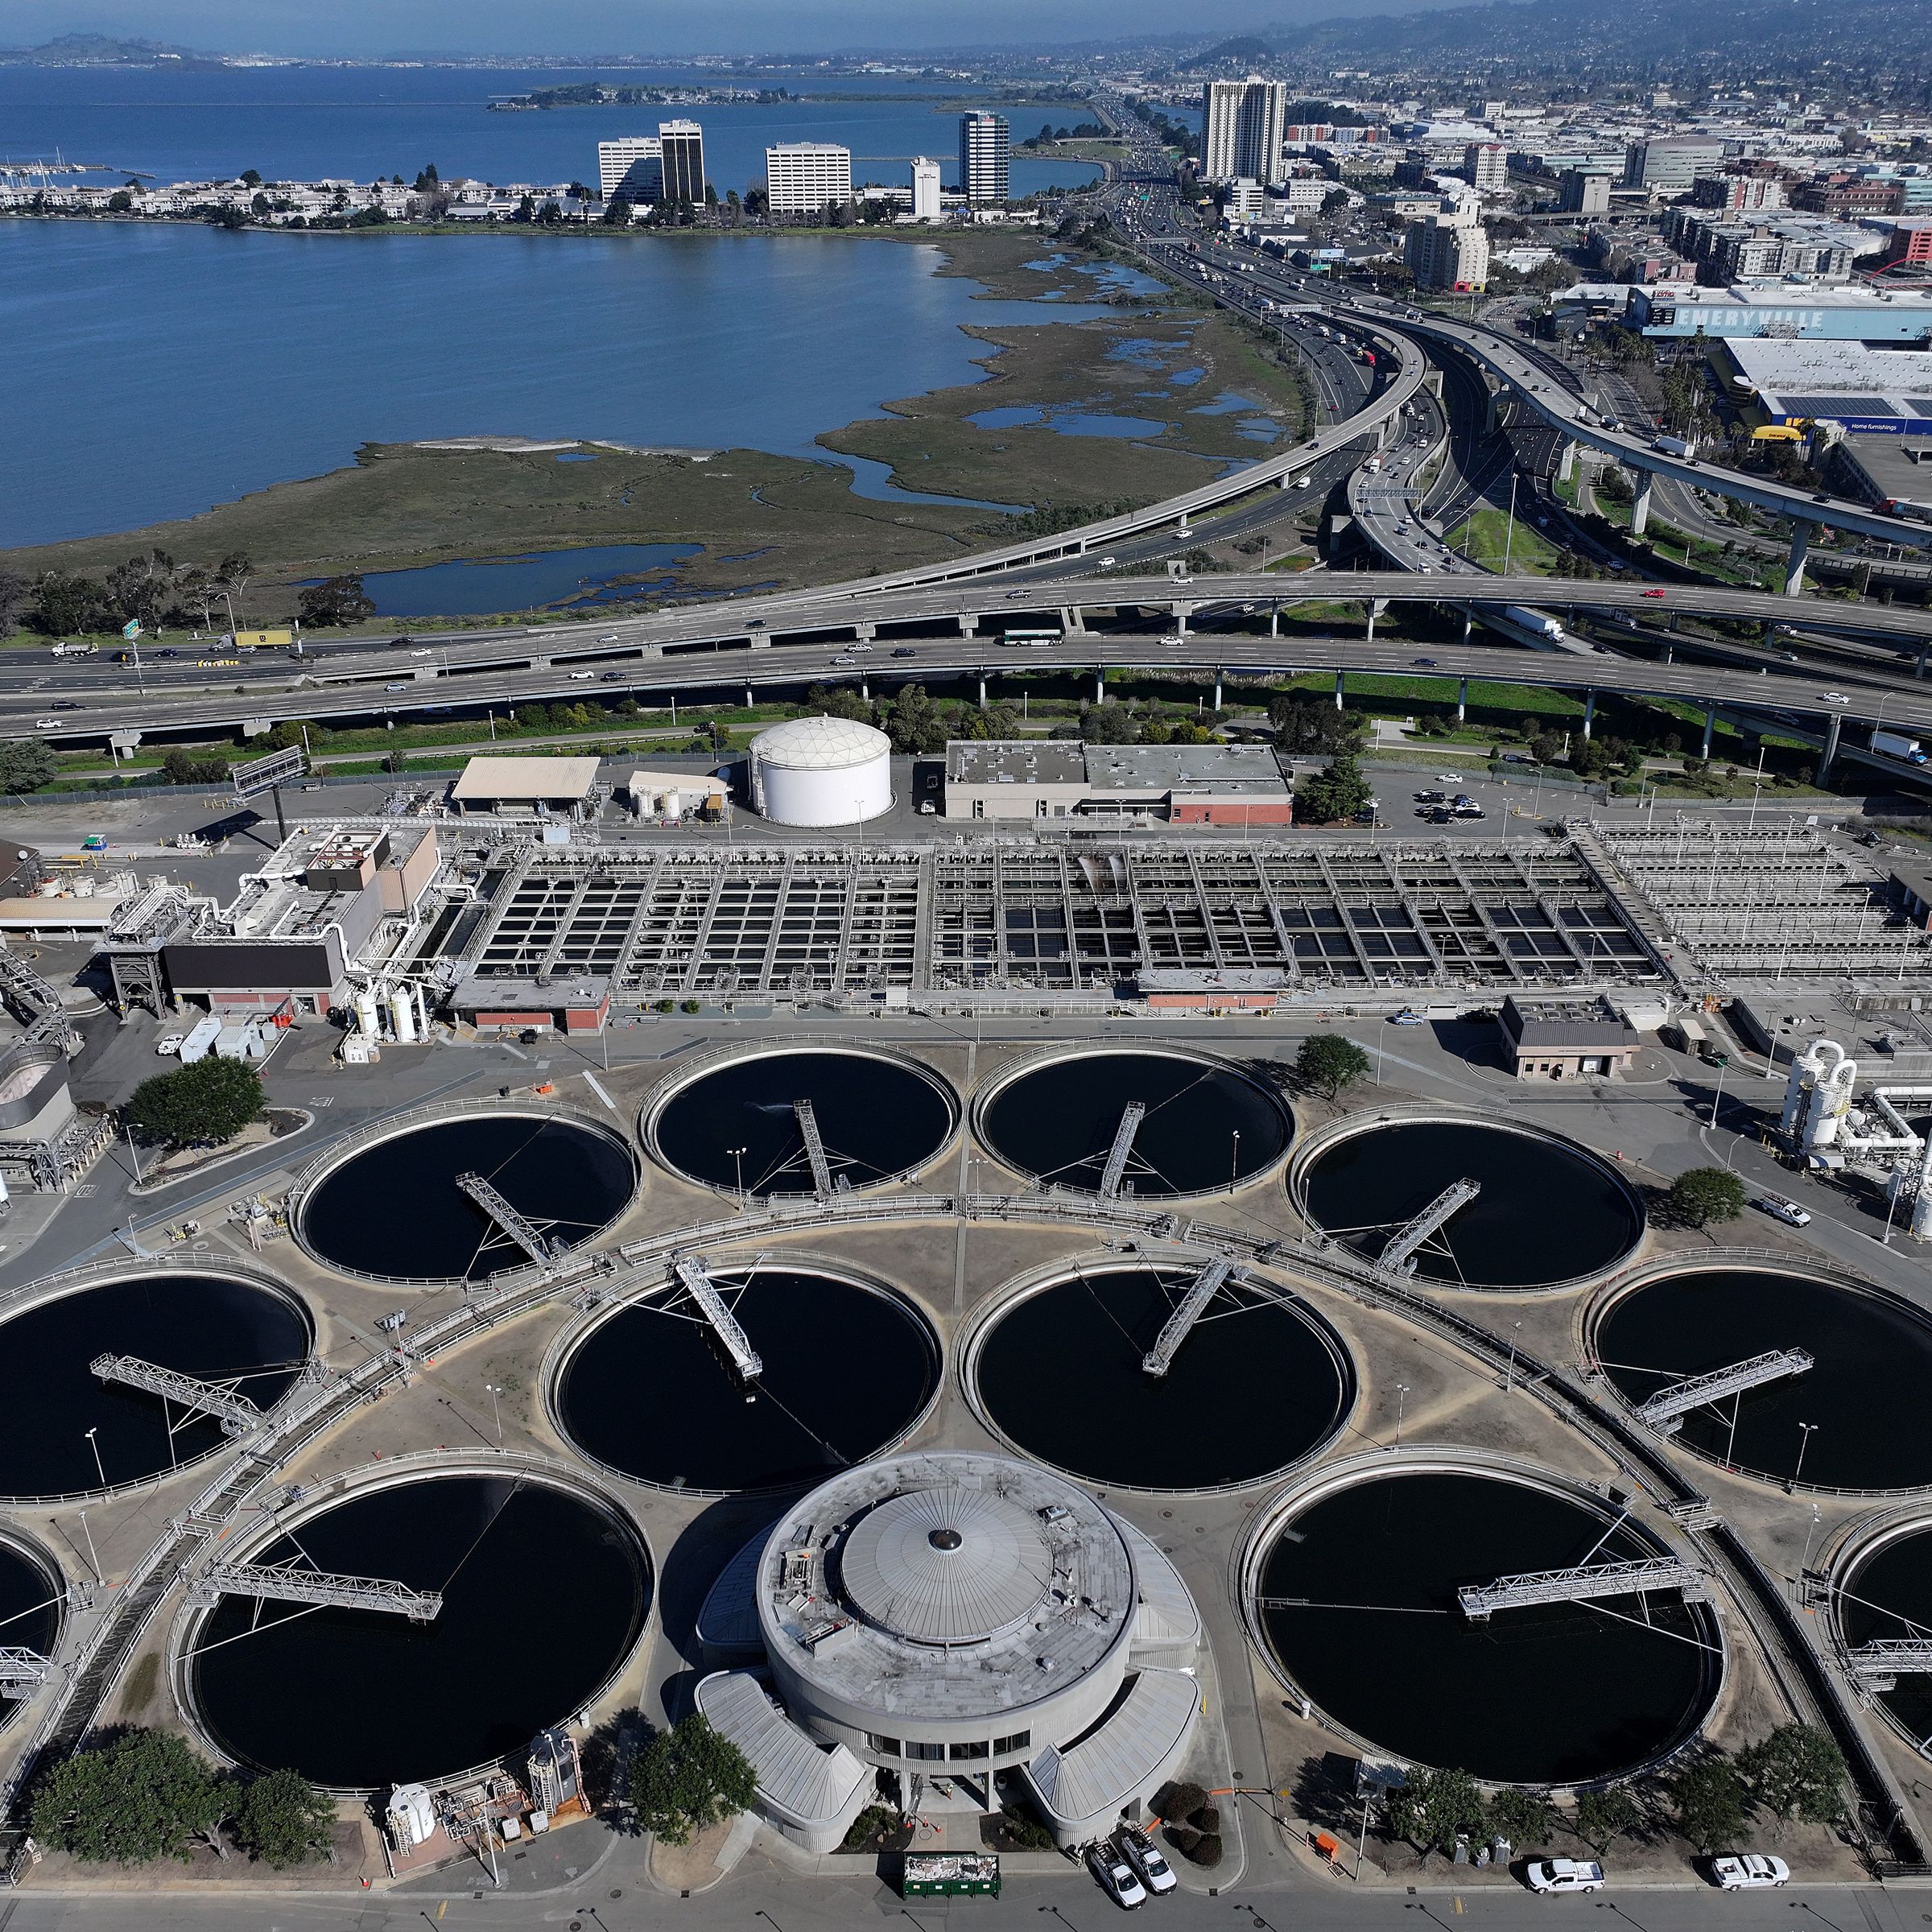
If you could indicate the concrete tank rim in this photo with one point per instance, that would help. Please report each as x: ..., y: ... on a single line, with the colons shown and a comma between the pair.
x: 1253, y: 1545
x: 1303, y: 1154
x: 1852, y: 1546
x: 986, y: 1313
x: 39, y: 1293
x: 1659, y: 1268
x: 39, y: 1556
x: 651, y: 1109
x: 429, y: 1465
x: 565, y: 1344
x: 371, y: 1134
x: 1035, y: 1060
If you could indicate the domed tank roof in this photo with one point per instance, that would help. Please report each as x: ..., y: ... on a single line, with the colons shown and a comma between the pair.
x: 820, y: 744
x: 948, y: 1565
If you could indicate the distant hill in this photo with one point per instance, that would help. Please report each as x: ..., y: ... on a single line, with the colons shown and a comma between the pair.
x: 1243, y: 50
x: 1764, y: 37
x: 101, y: 50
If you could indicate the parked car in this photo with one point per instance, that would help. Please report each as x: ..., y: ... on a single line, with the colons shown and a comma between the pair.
x: 1564, y: 1875
x: 1408, y: 1016
x: 1748, y: 1871
x: 1115, y: 1876
x: 1780, y: 1210
x: 169, y: 1043
x: 1431, y: 798
x: 1150, y: 1868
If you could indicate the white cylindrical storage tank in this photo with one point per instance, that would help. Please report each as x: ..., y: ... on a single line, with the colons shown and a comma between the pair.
x: 402, y: 1014
x: 821, y: 771
x: 369, y: 1014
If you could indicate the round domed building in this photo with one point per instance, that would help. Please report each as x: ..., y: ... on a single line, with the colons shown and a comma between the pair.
x: 942, y: 1618
x: 821, y: 771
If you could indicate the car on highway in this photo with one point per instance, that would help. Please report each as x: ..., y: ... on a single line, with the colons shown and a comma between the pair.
x: 1174, y: 640
x: 1104, y: 564
x: 902, y: 650
x: 582, y: 677
x: 611, y: 639
x: 1140, y: 1851
x: 1425, y: 662
x: 42, y: 724
x: 1115, y: 1876
x: 394, y: 642
x: 1657, y: 594
x: 612, y: 677
x: 168, y: 1044
x: 1563, y: 1875
x: 1748, y: 1871
x: 856, y: 648
x: 1782, y: 1210
x: 1834, y: 697
x: 66, y: 704
x: 423, y: 651
x: 171, y: 652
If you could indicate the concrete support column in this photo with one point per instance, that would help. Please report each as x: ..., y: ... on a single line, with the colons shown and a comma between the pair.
x: 1181, y: 613
x: 1670, y: 654
x: 1370, y: 608
x: 1795, y: 563
x: 1217, y: 691
x: 864, y: 633
x: 1073, y: 619
x: 982, y: 691
x: 1918, y: 669
x: 1565, y: 471
x: 749, y: 700
x: 1589, y: 712
x: 1181, y: 529
x: 1489, y: 403
x: 1710, y: 726
x: 1339, y: 677
x: 539, y: 664
x: 1462, y: 701
x: 969, y: 627
x: 1832, y: 725
x: 1274, y: 628
x: 1099, y: 687
x: 865, y: 689
x: 1468, y: 625
x: 1639, y: 510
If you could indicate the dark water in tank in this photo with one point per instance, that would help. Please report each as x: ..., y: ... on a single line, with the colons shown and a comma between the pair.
x: 1890, y: 1595
x: 542, y: 1594
x: 846, y: 1370
x: 876, y: 1118
x: 1873, y: 1363
x: 1057, y: 1123
x: 1253, y: 1387
x: 1544, y: 1214
x: 1550, y: 1694
x: 29, y: 1620
x: 395, y: 1207
x: 205, y: 1326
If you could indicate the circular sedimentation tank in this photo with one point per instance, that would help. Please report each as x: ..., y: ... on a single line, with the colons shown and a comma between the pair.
x: 545, y: 1593
x: 847, y: 1368
x: 1354, y: 1593
x: 1549, y: 1211
x: 1886, y: 1591
x: 1206, y: 1123
x: 31, y: 1591
x: 391, y: 1207
x: 55, y: 1412
x: 1871, y: 1356
x: 738, y: 1124
x: 1257, y: 1386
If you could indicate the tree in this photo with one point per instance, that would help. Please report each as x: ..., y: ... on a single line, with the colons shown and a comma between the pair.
x: 120, y: 202
x: 1328, y: 1061
x: 689, y: 1777
x: 1435, y: 1808
x: 1523, y: 1818
x: 914, y: 726
x: 1702, y: 1195
x: 1308, y: 724
x: 208, y: 1101
x: 1340, y: 792
x: 617, y: 213
x: 13, y: 594
x: 26, y: 764
x: 1709, y: 1799
x: 182, y: 767
x: 427, y: 179
x: 65, y: 603
x: 283, y: 1820
x: 1796, y: 1772
x: 336, y: 600
x: 1603, y: 1817
x: 142, y: 1795
x: 1107, y: 723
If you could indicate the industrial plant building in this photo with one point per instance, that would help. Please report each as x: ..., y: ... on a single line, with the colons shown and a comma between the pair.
x: 527, y: 787
x: 1550, y: 1039
x: 1225, y: 785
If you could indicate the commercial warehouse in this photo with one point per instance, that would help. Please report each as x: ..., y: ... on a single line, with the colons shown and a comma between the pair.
x: 1230, y: 785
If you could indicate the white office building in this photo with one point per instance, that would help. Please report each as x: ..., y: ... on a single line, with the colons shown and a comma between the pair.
x: 632, y: 168
x: 925, y: 189
x: 1447, y: 251
x: 1244, y: 124
x: 802, y: 176
x: 985, y: 146
x: 1486, y: 166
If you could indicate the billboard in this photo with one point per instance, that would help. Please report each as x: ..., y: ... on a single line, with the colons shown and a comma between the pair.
x: 263, y: 774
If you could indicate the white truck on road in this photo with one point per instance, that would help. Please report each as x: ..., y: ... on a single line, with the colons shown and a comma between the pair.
x: 1898, y: 747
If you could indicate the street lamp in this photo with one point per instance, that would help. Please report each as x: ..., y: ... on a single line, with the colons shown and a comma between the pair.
x: 1234, y: 1161
x: 737, y: 1155
x: 1805, y: 1431
x: 1719, y: 1094
x: 1509, y: 1373
x: 94, y: 1556
x: 1402, y: 1398
x: 497, y: 1412
x: 95, y: 1445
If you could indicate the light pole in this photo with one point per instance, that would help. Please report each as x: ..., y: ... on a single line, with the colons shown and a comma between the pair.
x: 1719, y: 1093
x: 1805, y: 1561
x: 1234, y: 1161
x: 495, y: 1411
x: 92, y: 1555
x: 95, y: 1445
x: 737, y: 1155
x: 1401, y: 1399
x: 1509, y: 1373
x: 1805, y: 1431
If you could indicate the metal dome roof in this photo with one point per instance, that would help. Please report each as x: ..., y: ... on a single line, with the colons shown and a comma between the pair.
x: 948, y: 1565
x: 820, y: 744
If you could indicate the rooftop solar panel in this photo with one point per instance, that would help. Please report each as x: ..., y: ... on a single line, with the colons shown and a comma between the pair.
x: 1837, y: 405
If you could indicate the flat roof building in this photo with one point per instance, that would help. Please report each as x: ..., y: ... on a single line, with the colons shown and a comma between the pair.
x: 631, y: 169
x: 1228, y: 785
x: 985, y: 148
x: 804, y: 177
x: 1835, y: 314
x: 528, y: 787
x: 682, y: 143
x: 1559, y: 1039
x: 1244, y: 125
